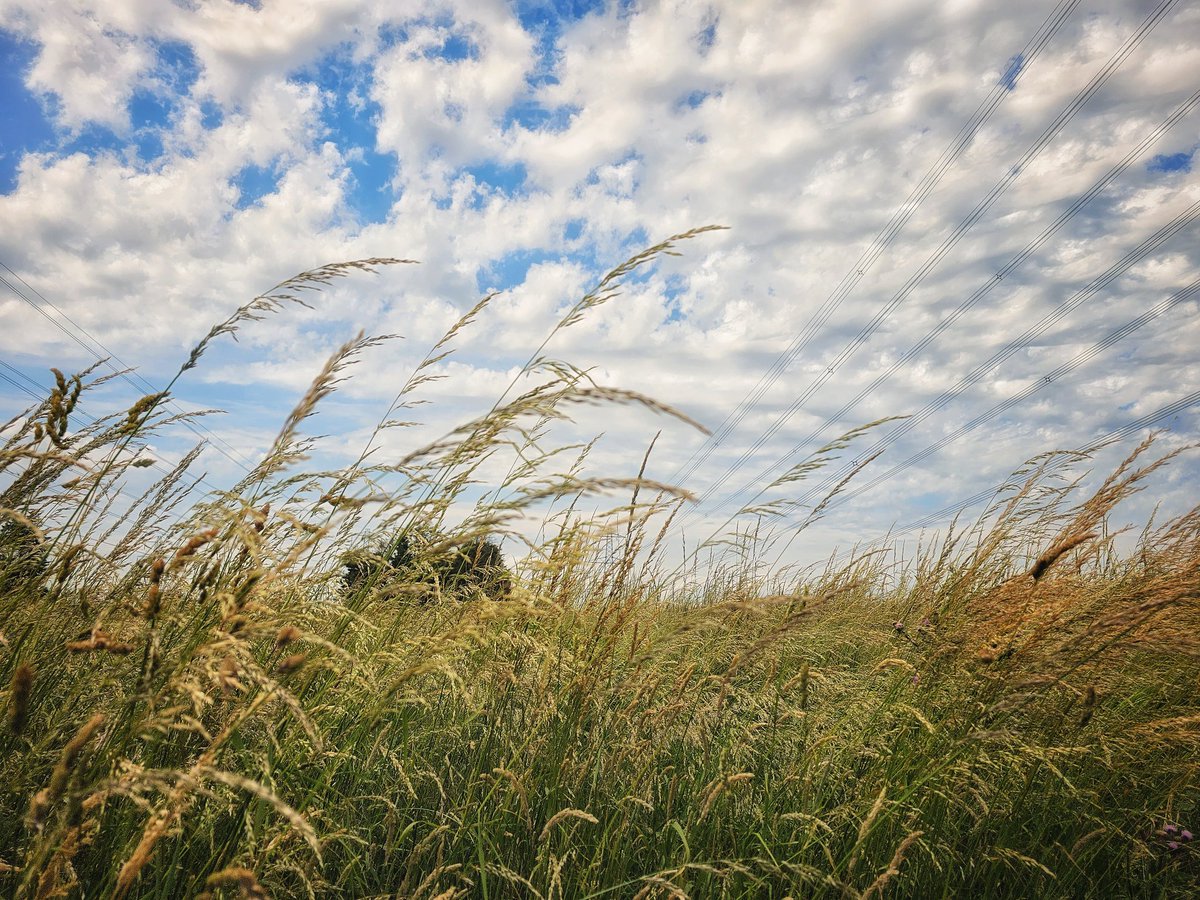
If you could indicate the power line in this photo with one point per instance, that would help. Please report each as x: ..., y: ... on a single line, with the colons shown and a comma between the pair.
x: 891, y: 230
x: 927, y: 267
x: 34, y: 393
x: 30, y: 387
x: 1038, y: 384
x: 1127, y: 430
x: 981, y: 292
x: 1131, y: 258
x: 129, y: 374
x: 997, y: 190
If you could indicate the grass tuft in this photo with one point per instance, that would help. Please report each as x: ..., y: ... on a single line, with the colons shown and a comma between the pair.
x: 307, y: 685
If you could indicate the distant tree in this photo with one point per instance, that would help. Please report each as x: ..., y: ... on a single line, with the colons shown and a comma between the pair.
x: 23, y: 557
x: 464, y: 571
x: 478, y: 566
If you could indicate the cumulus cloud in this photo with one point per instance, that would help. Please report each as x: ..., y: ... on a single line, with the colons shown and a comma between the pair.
x: 443, y: 86
x: 510, y: 148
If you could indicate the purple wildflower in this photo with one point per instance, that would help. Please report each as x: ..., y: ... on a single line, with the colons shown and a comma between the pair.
x: 1185, y: 835
x: 898, y: 625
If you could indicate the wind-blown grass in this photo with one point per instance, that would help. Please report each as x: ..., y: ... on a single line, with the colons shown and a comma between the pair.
x: 197, y: 708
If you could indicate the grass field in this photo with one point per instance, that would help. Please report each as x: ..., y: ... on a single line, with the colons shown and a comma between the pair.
x: 195, y: 706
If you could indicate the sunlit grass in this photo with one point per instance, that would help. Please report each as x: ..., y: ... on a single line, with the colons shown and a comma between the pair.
x: 207, y: 705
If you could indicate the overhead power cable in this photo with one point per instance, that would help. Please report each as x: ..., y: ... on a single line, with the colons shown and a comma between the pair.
x: 1181, y: 222
x: 1035, y: 386
x: 1181, y: 404
x: 953, y: 151
x: 101, y: 352
x: 22, y: 382
x: 980, y: 293
x: 997, y: 190
x: 1130, y: 259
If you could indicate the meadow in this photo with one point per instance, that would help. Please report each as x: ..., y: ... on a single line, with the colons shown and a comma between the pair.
x: 198, y: 704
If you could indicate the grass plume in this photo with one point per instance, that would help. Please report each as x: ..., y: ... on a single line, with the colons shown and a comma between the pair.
x: 1010, y: 713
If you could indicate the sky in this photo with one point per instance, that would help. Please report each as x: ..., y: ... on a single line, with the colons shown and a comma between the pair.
x: 979, y: 215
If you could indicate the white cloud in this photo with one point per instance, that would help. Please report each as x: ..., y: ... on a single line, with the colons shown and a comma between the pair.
x: 87, y: 64
x: 448, y: 109
x: 239, y: 47
x: 802, y: 126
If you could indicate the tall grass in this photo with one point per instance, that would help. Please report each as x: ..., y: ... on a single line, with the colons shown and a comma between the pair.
x: 198, y: 707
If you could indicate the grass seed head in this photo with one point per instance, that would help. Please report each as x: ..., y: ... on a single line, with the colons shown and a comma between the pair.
x: 291, y: 664
x: 99, y: 641
x: 18, y: 698
x: 243, y: 879
x: 227, y: 676
x: 566, y: 814
x: 193, y: 544
x: 153, y: 602
x: 44, y: 800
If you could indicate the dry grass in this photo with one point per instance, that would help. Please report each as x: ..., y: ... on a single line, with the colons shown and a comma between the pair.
x: 194, y: 709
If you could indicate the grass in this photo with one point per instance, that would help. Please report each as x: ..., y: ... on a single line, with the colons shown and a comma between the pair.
x: 196, y: 708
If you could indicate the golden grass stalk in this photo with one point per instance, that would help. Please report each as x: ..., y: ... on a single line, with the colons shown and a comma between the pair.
x: 250, y: 786
x: 893, y: 867
x: 519, y: 790
x: 243, y: 879
x: 179, y: 799
x: 865, y: 828
x: 287, y: 448
x: 284, y: 293
x: 1064, y: 546
x: 153, y: 592
x: 717, y: 787
x: 138, y: 414
x: 291, y: 664
x: 59, y: 878
x: 30, y: 526
x: 564, y: 814
x: 45, y: 799
x: 99, y: 641
x: 18, y: 697
x: 194, y: 543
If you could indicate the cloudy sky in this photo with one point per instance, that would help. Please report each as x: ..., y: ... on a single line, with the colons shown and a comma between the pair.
x: 978, y: 214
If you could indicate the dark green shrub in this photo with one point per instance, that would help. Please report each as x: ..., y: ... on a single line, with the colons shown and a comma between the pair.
x: 409, y: 567
x: 23, y: 557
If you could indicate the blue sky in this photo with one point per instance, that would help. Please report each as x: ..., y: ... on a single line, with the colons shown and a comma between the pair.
x: 161, y: 163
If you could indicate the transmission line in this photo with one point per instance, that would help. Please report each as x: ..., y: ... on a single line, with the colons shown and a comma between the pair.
x: 1133, y: 257
x: 1067, y: 368
x: 997, y: 190
x: 1003, y: 87
x: 1027, y: 338
x: 1127, y: 430
x: 981, y: 292
x: 32, y: 388
x: 107, y: 357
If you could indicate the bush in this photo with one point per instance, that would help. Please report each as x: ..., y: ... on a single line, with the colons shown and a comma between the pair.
x: 23, y: 557
x: 430, y: 567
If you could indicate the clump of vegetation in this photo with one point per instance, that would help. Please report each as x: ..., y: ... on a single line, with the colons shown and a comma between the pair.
x: 23, y: 555
x: 429, y: 568
x: 201, y: 708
